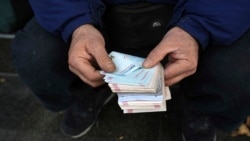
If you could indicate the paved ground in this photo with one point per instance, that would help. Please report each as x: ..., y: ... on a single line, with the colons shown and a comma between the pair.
x: 24, y: 119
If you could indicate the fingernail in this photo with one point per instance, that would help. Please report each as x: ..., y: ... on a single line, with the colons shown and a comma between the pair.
x: 110, y: 67
x: 146, y: 64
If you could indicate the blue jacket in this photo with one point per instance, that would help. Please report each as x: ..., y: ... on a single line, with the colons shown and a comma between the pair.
x: 218, y: 22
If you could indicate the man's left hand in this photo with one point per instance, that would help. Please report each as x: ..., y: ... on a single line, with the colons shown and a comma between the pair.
x: 182, y: 52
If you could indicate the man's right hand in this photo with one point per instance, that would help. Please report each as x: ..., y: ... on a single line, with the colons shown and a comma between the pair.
x: 87, y: 53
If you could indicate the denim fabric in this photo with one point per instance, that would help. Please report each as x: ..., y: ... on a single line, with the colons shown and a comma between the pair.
x: 41, y: 61
x: 221, y: 85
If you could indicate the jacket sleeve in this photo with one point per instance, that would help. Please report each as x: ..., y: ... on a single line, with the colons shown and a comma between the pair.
x: 217, y: 22
x: 62, y: 17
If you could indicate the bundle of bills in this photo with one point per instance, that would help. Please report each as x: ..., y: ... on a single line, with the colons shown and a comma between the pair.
x: 138, y: 89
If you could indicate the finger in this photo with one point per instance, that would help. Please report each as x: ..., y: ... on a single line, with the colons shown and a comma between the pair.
x: 102, y: 58
x: 94, y: 81
x: 177, y: 68
x: 84, y: 68
x: 174, y: 80
x: 93, y: 84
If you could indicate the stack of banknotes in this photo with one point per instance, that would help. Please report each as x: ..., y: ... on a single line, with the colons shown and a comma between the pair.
x: 139, y: 89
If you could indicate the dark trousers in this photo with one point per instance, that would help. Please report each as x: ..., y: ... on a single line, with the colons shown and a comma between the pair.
x: 40, y: 59
x: 220, y: 87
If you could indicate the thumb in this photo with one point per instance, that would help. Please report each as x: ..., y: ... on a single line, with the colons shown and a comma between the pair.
x: 103, y: 60
x: 154, y: 57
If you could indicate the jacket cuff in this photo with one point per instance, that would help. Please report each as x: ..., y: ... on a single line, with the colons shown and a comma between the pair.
x: 195, y: 29
x: 74, y: 24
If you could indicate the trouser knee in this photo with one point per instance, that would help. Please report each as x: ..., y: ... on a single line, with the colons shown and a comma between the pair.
x: 40, y: 59
x: 221, y: 85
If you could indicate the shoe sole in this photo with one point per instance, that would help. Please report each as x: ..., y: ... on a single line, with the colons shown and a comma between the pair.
x: 93, y: 123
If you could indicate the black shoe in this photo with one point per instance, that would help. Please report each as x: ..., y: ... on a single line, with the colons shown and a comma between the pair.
x: 79, y: 118
x: 197, y: 127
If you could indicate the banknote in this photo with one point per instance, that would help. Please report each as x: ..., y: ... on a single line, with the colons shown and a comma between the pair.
x: 140, y: 76
x: 144, y: 107
x: 131, y: 97
x: 129, y: 70
x: 138, y: 89
x: 130, y: 111
x: 125, y: 63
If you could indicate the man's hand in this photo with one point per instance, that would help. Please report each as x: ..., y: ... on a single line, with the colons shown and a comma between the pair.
x: 87, y: 53
x: 182, y: 52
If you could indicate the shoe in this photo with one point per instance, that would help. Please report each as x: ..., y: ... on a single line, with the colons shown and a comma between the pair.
x: 80, y: 117
x: 197, y: 127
